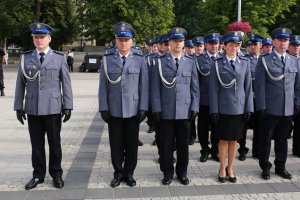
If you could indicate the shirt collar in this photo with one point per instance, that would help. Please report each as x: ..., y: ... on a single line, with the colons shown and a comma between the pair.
x: 124, y: 55
x: 175, y: 57
x: 210, y: 55
x: 46, y: 51
x: 229, y: 59
x: 279, y: 55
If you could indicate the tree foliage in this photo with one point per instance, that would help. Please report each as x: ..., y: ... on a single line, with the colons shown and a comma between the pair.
x: 215, y: 15
x: 148, y: 18
x: 16, y: 16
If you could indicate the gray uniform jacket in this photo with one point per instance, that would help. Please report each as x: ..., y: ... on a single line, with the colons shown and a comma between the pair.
x: 277, y: 97
x: 235, y: 100
x: 49, y: 93
x: 175, y: 102
x: 205, y: 65
x: 131, y: 94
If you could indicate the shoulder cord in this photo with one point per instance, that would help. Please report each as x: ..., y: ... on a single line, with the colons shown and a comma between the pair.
x: 106, y: 74
x: 198, y: 67
x: 269, y: 74
x: 228, y: 85
x: 164, y: 81
x: 24, y: 72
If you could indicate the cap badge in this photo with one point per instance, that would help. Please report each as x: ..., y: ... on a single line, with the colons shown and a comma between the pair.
x: 123, y: 28
x: 177, y: 30
x: 283, y: 30
x: 38, y: 25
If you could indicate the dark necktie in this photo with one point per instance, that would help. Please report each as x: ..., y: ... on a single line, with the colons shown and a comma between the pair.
x: 232, y: 64
x: 282, y: 60
x: 124, y: 60
x: 213, y: 58
x: 176, y: 62
x: 42, y: 54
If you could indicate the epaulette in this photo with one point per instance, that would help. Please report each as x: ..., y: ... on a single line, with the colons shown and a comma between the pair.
x: 243, y: 58
x: 109, y: 53
x: 137, y: 54
x: 135, y: 47
x: 293, y: 55
x: 27, y: 52
x: 190, y: 57
x: 161, y: 56
x: 59, y: 53
x: 265, y: 54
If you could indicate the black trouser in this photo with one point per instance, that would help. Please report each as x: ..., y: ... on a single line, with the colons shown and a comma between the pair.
x: 296, y: 136
x: 258, y: 129
x: 174, y: 131
x: 276, y: 127
x: 203, y: 132
x: 1, y: 76
x: 123, y: 140
x: 193, y: 130
x: 38, y: 127
x: 70, y: 67
x: 242, y: 142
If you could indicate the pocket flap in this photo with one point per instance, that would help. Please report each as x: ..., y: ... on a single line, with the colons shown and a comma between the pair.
x: 53, y: 67
x: 186, y: 73
x: 133, y: 71
x: 293, y: 69
x: 55, y: 95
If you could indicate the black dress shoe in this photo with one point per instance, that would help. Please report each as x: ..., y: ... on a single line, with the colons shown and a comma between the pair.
x: 58, y: 182
x: 130, y: 182
x: 203, y: 157
x: 283, y: 173
x: 221, y: 179
x: 191, y: 142
x: 115, y: 182
x: 231, y: 179
x: 184, y: 180
x: 242, y: 157
x: 166, y: 180
x: 265, y: 174
x: 215, y: 157
x: 140, y: 143
x: 151, y: 129
x: 33, y: 183
x: 296, y: 154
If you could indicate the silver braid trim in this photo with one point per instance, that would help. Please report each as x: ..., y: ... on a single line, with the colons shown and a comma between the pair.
x: 106, y: 74
x: 279, y: 78
x: 228, y: 85
x: 198, y: 67
x: 164, y: 81
x: 24, y: 72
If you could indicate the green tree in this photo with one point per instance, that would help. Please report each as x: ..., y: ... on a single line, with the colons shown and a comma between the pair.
x: 148, y: 18
x: 16, y: 16
x: 216, y: 15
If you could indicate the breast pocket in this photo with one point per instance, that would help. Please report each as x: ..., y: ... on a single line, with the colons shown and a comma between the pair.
x: 114, y: 73
x: 226, y: 77
x: 276, y: 71
x: 52, y: 71
x: 169, y: 75
x: 134, y: 73
x: 187, y: 77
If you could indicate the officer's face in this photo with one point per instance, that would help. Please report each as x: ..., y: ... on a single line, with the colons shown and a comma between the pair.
x: 212, y: 47
x: 41, y: 42
x: 124, y: 45
x: 176, y: 46
x: 255, y: 47
x: 266, y: 49
x: 199, y: 48
x: 294, y: 49
x: 281, y: 44
x: 231, y: 48
x: 189, y: 50
x: 154, y: 48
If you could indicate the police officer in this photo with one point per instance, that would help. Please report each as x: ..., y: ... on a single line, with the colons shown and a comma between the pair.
x: 267, y: 46
x: 294, y: 49
x: 275, y: 88
x: 198, y: 45
x: 230, y: 102
x: 253, y: 55
x: 44, y: 75
x: 2, y: 54
x: 204, y: 64
x: 175, y: 102
x: 123, y: 102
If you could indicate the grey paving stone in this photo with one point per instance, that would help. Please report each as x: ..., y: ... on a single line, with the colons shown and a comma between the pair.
x: 155, y: 192
x: 234, y: 189
x: 182, y: 191
x: 71, y: 194
x: 45, y: 195
x: 103, y: 193
x: 260, y: 188
x: 284, y: 187
x: 209, y: 190
x: 297, y: 184
x: 16, y: 195
x: 127, y: 192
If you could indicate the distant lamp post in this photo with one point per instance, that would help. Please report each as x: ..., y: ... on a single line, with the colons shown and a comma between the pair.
x: 239, y: 11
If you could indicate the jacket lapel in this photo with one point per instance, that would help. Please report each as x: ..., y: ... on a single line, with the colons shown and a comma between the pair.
x: 47, y: 58
x: 227, y: 65
x: 117, y: 61
x: 171, y: 63
x: 129, y: 61
x: 276, y: 60
x: 34, y: 59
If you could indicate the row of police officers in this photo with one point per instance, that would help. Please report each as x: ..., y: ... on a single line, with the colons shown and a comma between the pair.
x: 173, y: 88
